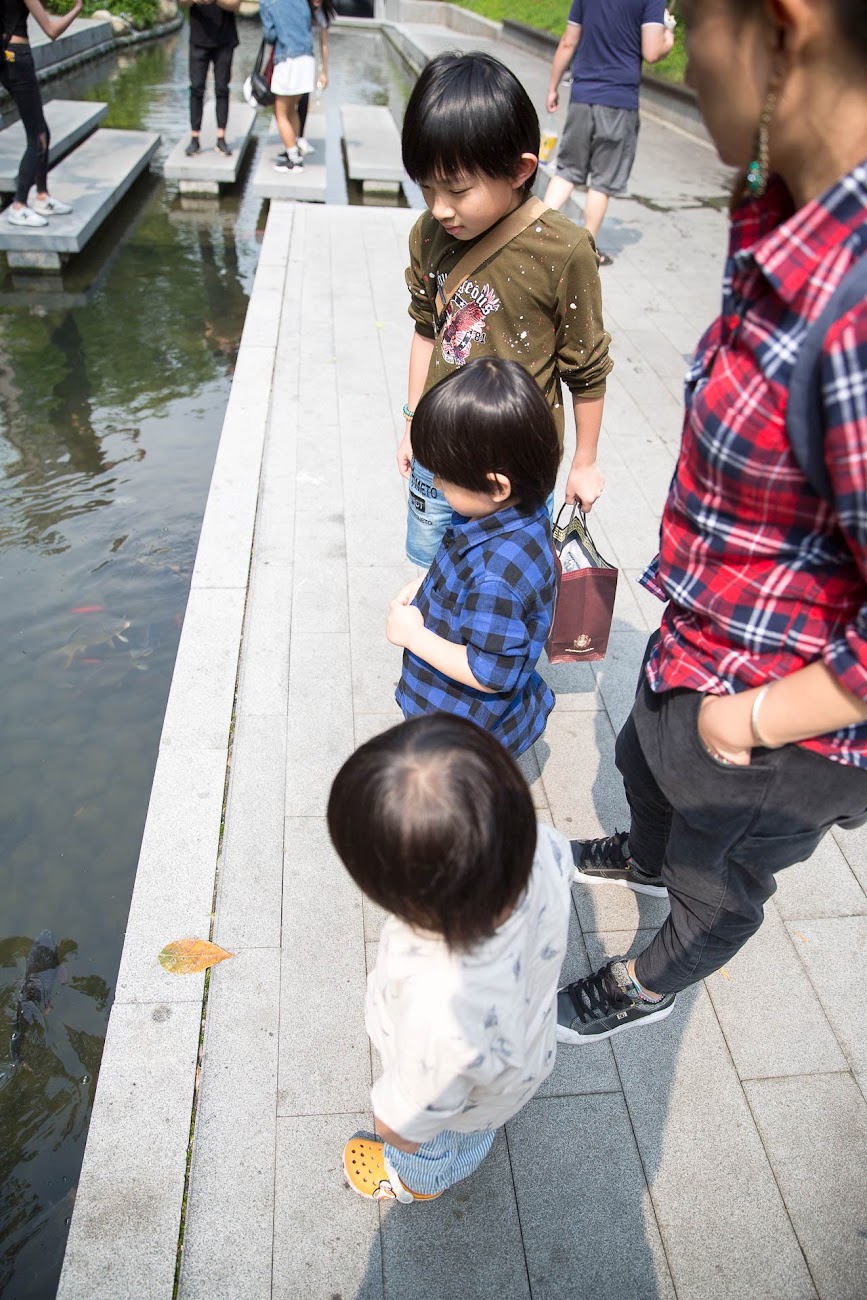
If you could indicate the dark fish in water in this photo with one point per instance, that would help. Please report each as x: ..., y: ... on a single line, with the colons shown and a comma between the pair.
x: 41, y: 973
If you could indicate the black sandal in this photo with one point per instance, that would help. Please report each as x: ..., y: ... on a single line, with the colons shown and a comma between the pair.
x: 604, y: 259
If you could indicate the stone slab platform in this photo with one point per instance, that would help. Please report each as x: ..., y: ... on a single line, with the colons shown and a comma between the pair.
x: 94, y: 178
x: 208, y: 170
x: 309, y: 183
x: 69, y: 122
x: 372, y: 144
x: 82, y: 39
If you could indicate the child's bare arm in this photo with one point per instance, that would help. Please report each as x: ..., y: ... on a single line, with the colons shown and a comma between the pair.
x: 586, y: 480
x: 394, y: 1139
x: 419, y: 363
x: 405, y: 627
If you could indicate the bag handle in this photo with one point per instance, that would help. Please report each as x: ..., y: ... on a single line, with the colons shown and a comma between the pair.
x: 582, y: 519
x: 503, y: 233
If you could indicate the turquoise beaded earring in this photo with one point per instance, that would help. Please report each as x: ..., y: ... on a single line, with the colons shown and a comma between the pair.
x: 757, y: 172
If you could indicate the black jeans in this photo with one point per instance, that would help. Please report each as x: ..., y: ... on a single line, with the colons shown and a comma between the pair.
x: 19, y: 78
x: 200, y: 58
x: 717, y: 834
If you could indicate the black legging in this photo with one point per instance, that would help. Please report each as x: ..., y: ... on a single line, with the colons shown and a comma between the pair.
x: 19, y: 78
x: 200, y: 57
x: 303, y: 105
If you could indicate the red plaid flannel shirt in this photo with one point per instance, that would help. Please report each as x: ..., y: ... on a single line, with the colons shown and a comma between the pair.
x: 760, y: 576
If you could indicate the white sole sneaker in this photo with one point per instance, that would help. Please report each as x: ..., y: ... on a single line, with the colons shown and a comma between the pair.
x: 25, y: 217
x: 566, y: 1035
x: 637, y: 887
x: 52, y: 207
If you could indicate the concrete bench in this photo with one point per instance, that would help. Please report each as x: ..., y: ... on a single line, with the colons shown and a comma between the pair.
x: 94, y: 178
x: 69, y: 121
x: 307, y: 184
x: 371, y: 142
x: 207, y: 170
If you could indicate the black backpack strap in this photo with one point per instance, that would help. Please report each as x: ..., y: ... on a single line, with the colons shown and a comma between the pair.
x: 805, y: 416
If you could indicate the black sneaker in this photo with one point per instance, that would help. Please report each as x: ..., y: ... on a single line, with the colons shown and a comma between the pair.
x: 607, y: 862
x: 603, y: 1004
x: 222, y: 147
x: 284, y: 162
x: 193, y: 147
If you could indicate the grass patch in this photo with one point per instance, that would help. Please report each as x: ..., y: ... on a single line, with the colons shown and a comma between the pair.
x: 551, y: 15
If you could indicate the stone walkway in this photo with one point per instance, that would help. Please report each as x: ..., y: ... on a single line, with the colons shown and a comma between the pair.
x: 721, y: 1155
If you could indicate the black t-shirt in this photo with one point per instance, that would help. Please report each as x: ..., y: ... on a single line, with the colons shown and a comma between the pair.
x: 211, y: 26
x: 14, y: 18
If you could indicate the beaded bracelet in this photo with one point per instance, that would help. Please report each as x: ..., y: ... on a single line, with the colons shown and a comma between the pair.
x: 408, y: 414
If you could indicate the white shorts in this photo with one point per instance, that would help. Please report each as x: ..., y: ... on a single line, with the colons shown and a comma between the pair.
x: 294, y: 76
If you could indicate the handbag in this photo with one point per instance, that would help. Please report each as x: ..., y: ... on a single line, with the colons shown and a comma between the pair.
x: 503, y: 233
x: 257, y: 87
x: 586, y: 586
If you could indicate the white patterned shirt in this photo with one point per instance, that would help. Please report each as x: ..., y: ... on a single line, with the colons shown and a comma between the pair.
x: 466, y: 1039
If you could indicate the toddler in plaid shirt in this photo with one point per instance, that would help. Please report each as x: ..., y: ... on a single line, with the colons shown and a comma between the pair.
x: 474, y: 626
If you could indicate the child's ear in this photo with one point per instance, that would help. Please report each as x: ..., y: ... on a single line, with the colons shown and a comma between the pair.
x: 501, y: 487
x: 527, y: 164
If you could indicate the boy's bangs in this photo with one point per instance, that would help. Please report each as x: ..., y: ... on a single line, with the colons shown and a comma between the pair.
x: 454, y: 146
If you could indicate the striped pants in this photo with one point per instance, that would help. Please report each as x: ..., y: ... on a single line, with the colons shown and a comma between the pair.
x: 441, y: 1162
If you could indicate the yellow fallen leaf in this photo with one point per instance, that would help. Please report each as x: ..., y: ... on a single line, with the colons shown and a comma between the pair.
x: 186, y: 956
x: 724, y: 973
x: 802, y: 937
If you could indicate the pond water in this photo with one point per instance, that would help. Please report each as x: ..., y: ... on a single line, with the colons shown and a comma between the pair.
x: 113, y: 383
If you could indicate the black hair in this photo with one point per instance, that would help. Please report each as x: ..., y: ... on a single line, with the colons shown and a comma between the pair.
x: 435, y: 823
x: 326, y: 7
x: 489, y: 417
x: 468, y: 114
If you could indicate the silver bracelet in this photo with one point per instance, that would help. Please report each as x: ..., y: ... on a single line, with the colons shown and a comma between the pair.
x: 758, y: 738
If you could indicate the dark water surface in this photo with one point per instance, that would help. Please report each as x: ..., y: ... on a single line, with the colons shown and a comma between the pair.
x: 113, y: 383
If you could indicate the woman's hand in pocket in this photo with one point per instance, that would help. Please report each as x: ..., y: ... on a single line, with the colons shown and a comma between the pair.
x: 724, y: 729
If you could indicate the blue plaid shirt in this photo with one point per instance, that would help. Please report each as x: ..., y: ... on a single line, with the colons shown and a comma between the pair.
x: 490, y: 588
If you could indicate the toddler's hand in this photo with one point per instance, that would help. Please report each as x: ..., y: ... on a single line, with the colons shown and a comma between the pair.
x: 406, y: 594
x: 402, y: 622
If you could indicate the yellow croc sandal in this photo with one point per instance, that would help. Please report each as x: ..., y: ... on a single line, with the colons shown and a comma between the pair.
x: 369, y: 1174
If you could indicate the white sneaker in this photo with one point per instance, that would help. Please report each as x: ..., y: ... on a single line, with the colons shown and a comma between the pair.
x: 49, y: 207
x: 24, y: 216
x: 304, y: 145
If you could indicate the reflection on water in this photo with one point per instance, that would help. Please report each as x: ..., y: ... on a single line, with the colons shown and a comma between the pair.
x: 114, y: 379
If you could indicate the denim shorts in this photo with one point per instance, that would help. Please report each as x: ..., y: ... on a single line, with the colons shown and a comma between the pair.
x: 428, y: 517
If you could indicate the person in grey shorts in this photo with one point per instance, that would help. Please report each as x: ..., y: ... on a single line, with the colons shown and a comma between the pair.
x: 604, y: 41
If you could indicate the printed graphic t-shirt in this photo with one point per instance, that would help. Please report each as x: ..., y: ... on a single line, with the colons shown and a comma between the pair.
x: 537, y: 301
x: 466, y: 1039
x: 607, y: 66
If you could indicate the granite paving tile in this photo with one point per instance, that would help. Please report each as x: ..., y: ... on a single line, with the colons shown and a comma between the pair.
x: 228, y: 1242
x: 467, y: 1243
x: 250, y: 883
x: 123, y: 1239
x: 723, y: 1222
x: 834, y: 953
x: 793, y: 1035
x: 326, y: 1238
x: 601, y: 1242
x: 824, y: 1181
x: 324, y: 1056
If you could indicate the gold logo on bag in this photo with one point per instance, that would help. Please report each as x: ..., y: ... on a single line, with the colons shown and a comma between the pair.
x: 580, y: 644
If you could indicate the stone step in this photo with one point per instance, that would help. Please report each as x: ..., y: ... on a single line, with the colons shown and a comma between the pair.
x: 207, y: 170
x: 94, y: 178
x: 372, y: 144
x: 307, y: 184
x: 83, y: 39
x: 69, y: 121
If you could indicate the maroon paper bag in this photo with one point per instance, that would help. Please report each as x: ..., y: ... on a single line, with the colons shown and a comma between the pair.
x: 586, y: 585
